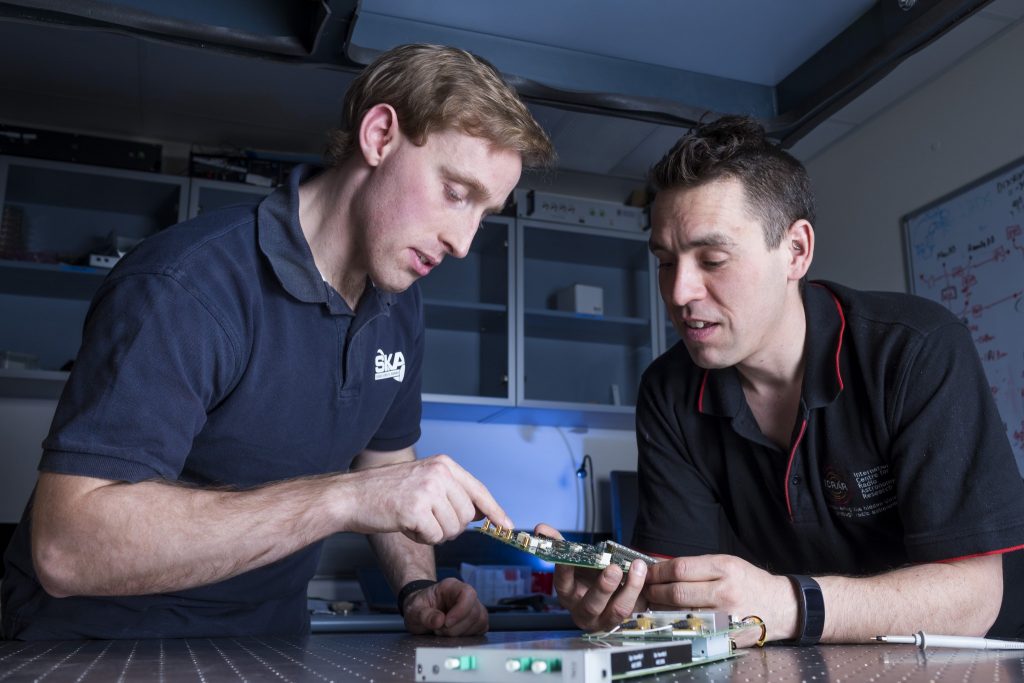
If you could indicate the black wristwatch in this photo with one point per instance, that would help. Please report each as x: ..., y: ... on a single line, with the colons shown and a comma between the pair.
x: 410, y: 588
x: 812, y: 610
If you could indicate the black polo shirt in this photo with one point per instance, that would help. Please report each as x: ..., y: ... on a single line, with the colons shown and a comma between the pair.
x: 898, y: 454
x: 215, y: 354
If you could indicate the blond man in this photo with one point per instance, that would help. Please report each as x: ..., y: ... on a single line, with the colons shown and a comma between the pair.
x: 226, y: 412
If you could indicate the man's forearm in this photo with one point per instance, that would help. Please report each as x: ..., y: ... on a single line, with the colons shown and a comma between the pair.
x: 402, y: 559
x: 960, y: 598
x: 99, y: 537
x: 149, y: 537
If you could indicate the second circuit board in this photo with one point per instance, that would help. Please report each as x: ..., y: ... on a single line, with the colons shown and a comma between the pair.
x: 596, y: 556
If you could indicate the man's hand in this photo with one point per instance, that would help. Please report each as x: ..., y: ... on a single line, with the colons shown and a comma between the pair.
x: 724, y: 583
x: 598, y: 600
x: 429, y: 500
x: 448, y: 608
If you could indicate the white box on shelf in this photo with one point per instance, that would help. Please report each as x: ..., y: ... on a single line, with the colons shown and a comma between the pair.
x: 103, y: 260
x: 595, y: 213
x: 494, y: 582
x: 577, y: 298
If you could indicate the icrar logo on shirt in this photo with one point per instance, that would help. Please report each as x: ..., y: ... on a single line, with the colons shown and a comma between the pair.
x: 389, y: 366
x: 836, y: 487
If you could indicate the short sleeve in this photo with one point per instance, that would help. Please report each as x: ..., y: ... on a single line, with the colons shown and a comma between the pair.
x: 678, y: 512
x: 153, y: 360
x: 959, y: 488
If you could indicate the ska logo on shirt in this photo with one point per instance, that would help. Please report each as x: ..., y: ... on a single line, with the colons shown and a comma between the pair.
x: 389, y: 366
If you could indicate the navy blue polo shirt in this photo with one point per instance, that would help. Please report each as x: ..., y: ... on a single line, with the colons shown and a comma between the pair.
x: 215, y: 354
x: 898, y: 454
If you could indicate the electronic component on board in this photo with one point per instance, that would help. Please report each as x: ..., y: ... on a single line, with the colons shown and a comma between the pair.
x: 559, y: 551
x: 708, y: 632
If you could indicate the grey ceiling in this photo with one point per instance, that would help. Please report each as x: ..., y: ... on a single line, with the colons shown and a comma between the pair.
x: 270, y: 74
x: 681, y: 35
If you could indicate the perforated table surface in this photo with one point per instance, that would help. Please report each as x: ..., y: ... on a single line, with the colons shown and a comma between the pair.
x: 391, y: 657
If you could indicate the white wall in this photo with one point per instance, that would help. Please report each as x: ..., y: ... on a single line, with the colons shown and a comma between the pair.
x: 962, y: 125
x: 531, y: 471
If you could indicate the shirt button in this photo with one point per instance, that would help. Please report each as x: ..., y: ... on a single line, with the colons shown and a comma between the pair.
x: 796, y: 481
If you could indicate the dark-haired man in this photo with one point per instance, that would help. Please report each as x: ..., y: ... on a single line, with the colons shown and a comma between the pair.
x: 827, y: 459
x: 226, y: 411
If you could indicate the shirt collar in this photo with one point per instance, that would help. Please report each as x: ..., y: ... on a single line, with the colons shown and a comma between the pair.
x: 721, y: 393
x: 282, y: 241
x: 826, y: 325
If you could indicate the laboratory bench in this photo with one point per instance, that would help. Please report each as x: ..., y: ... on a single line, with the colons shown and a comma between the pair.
x: 386, y: 657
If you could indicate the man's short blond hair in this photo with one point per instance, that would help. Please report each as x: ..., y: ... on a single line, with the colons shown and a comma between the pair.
x: 434, y: 88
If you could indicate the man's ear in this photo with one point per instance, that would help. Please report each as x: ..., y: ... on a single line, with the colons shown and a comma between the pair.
x: 378, y: 133
x: 799, y: 243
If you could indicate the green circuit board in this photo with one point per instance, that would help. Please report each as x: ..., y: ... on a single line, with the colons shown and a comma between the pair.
x: 596, y: 556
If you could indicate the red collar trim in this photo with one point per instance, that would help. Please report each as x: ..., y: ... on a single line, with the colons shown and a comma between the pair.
x: 842, y: 329
x: 700, y: 397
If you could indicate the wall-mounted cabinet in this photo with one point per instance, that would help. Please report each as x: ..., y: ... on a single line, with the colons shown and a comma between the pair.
x: 467, y: 306
x: 500, y: 344
x: 569, y: 357
x: 54, y: 215
x: 511, y: 339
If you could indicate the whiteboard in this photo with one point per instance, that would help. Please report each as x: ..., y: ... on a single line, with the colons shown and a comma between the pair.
x: 966, y: 251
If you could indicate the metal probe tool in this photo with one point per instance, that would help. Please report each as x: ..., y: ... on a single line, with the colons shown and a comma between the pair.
x: 925, y: 640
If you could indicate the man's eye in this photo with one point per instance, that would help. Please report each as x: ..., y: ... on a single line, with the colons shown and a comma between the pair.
x: 452, y: 194
x: 713, y: 264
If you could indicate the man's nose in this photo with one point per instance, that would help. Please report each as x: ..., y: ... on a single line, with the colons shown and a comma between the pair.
x: 459, y: 238
x: 686, y: 286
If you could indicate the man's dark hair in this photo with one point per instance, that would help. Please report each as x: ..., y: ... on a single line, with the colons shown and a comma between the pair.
x: 776, y: 185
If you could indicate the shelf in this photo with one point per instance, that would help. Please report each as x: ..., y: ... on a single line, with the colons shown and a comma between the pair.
x: 20, y: 383
x: 50, y: 183
x: 591, y: 246
x: 555, y: 414
x: 537, y: 413
x: 444, y: 407
x: 598, y: 373
x: 57, y: 280
x: 467, y: 317
x: 481, y: 277
x: 577, y: 327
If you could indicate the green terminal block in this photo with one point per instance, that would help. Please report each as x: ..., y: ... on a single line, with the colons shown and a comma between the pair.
x: 543, y: 666
x: 463, y: 663
x: 515, y: 664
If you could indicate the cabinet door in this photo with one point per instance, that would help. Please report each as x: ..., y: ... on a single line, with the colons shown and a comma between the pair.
x: 54, y: 215
x: 668, y: 336
x: 571, y: 356
x: 467, y: 305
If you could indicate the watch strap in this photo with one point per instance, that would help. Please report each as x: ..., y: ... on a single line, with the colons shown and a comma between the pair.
x: 812, y: 609
x: 410, y: 588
